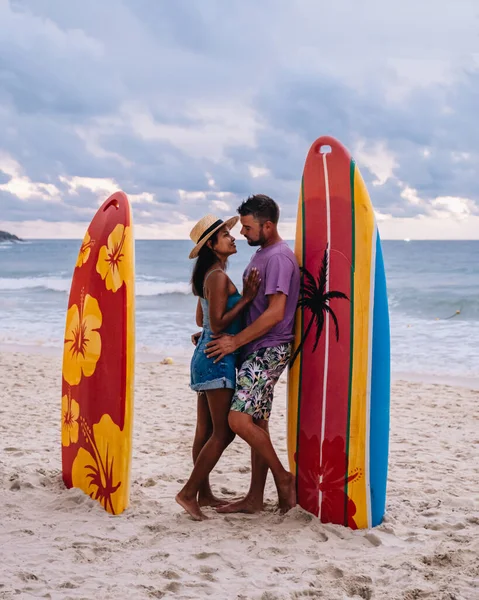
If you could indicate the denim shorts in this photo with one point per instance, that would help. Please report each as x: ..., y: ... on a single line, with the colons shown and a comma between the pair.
x: 205, y: 374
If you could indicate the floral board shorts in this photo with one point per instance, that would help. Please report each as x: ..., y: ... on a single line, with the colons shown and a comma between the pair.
x: 256, y: 379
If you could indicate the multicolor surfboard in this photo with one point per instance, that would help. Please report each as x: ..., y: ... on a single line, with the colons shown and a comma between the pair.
x: 339, y: 380
x: 98, y: 360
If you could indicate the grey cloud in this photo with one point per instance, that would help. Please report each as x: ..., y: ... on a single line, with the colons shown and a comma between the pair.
x: 45, y: 69
x: 63, y: 70
x: 13, y: 209
x: 431, y: 121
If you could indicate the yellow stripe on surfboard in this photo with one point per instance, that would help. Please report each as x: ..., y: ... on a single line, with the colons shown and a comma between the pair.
x: 130, y: 363
x: 295, y: 370
x: 364, y: 228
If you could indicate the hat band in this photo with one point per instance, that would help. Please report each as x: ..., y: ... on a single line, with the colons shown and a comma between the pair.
x: 209, y: 230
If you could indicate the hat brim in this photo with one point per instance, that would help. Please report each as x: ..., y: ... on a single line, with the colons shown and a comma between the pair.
x: 230, y: 223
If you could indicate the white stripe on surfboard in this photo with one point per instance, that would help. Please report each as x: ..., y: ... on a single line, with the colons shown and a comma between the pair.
x: 367, y: 454
x: 326, y: 342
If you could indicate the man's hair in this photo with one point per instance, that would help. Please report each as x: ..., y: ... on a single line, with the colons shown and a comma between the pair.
x: 263, y: 208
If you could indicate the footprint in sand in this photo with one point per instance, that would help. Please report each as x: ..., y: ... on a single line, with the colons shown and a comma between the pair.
x: 170, y: 575
x: 339, y: 531
x: 473, y: 520
x: 276, y: 551
x: 156, y: 528
x: 150, y: 482
x: 100, y: 550
x: 68, y: 585
x: 445, y: 559
x: 359, y: 586
x: 270, y: 596
x: 27, y: 576
x: 335, y: 572
x: 203, y: 555
x: 373, y: 539
x: 152, y: 592
x: 159, y: 556
x: 415, y: 594
x: 282, y: 569
x: 310, y: 593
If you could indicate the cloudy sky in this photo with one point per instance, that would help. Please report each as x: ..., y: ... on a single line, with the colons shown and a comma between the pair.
x: 191, y: 105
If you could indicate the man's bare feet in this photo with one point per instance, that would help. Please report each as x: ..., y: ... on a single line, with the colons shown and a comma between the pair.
x: 287, y: 493
x: 192, y: 507
x: 245, y: 505
x: 212, y: 501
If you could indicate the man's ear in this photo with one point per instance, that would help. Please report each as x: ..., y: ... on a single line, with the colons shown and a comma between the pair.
x: 268, y: 225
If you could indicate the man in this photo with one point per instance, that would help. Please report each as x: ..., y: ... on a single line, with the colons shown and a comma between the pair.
x: 266, y: 350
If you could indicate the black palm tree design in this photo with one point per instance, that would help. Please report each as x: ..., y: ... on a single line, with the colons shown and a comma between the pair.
x: 315, y: 298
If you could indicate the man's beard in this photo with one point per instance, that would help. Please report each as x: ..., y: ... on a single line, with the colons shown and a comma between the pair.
x: 259, y: 242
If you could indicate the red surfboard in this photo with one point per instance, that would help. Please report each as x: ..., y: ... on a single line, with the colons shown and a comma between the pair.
x: 338, y: 386
x: 98, y: 360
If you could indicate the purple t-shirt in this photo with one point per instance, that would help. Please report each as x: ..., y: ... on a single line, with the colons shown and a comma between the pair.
x: 279, y: 272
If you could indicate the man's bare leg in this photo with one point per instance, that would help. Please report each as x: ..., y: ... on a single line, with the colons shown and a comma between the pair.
x: 259, y: 440
x: 253, y: 502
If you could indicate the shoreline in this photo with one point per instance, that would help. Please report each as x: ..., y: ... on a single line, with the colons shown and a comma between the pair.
x: 182, y: 357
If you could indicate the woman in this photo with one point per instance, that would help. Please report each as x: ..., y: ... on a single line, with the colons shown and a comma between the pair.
x: 219, y: 309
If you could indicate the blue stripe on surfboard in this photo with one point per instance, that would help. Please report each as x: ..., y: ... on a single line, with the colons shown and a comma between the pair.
x: 380, y: 393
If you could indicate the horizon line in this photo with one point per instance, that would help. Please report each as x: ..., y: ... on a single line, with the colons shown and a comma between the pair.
x: 408, y: 240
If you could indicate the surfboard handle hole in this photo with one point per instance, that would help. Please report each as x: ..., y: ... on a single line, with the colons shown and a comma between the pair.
x: 324, y: 149
x: 114, y: 203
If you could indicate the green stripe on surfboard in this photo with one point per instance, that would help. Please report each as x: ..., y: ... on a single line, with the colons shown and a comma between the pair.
x: 303, y: 250
x: 351, y: 353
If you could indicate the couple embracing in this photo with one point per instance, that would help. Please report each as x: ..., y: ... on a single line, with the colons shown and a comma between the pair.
x: 243, y: 348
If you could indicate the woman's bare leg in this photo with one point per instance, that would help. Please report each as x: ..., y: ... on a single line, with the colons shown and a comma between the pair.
x: 219, y: 402
x: 204, y: 429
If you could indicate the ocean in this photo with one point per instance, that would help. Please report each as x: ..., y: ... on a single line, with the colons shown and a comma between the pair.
x: 428, y: 282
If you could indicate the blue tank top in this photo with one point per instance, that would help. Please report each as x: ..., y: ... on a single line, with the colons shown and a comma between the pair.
x: 236, y: 326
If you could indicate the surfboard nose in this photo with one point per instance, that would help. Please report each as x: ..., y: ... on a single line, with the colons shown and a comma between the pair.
x: 327, y: 144
x: 118, y: 201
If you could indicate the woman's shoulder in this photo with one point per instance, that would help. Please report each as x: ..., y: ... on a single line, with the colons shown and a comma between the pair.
x: 216, y: 278
x: 215, y: 274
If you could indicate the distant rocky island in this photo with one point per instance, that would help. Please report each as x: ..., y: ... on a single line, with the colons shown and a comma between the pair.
x: 8, y: 237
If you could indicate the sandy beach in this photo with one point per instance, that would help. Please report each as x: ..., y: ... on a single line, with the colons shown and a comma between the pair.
x: 57, y: 543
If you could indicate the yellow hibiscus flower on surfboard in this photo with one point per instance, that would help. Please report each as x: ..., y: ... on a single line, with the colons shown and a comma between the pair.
x: 70, y: 414
x: 85, y: 250
x: 111, y: 264
x: 82, y: 347
x: 96, y: 469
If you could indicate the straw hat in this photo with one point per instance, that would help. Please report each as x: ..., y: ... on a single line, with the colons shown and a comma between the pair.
x: 205, y: 228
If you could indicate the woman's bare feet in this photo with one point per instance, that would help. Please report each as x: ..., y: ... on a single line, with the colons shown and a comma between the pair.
x: 245, y: 505
x: 191, y: 506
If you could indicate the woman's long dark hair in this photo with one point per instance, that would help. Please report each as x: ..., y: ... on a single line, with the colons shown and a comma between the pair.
x: 206, y: 259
